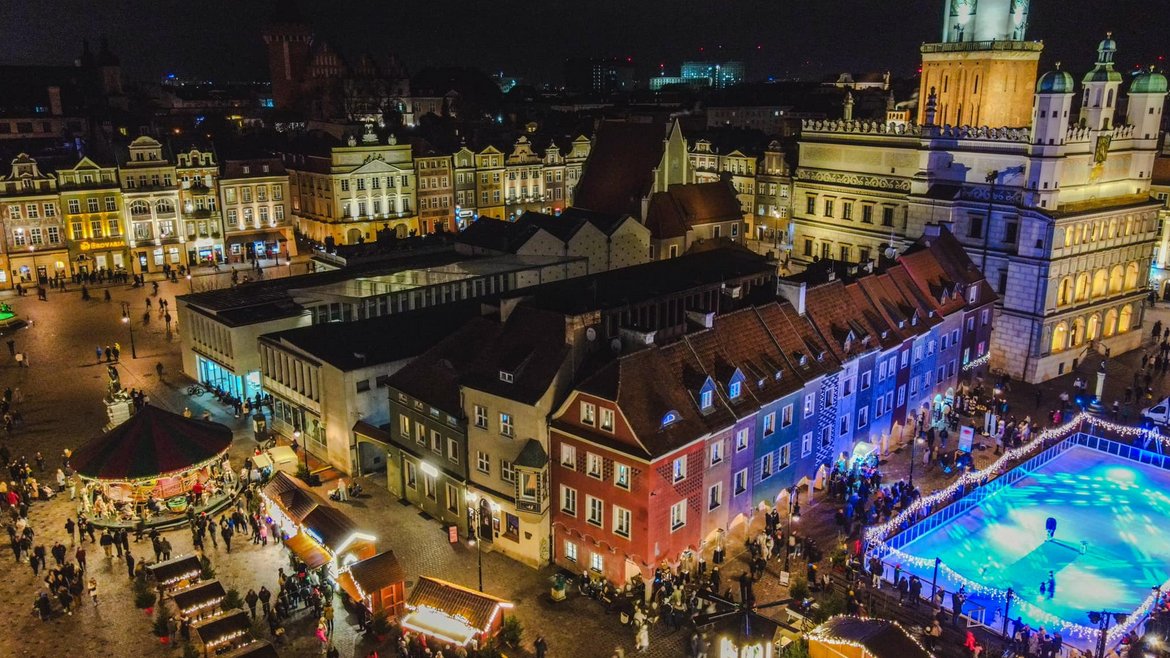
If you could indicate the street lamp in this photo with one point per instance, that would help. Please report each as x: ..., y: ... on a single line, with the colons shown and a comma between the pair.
x: 473, y: 537
x: 129, y: 325
x: 793, y: 517
x: 917, y: 440
x: 190, y: 284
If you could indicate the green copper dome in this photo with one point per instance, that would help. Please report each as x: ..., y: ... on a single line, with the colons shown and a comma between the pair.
x: 1150, y: 82
x: 1056, y: 82
x: 1102, y: 73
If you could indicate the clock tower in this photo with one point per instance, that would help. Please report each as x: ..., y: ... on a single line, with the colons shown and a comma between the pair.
x: 983, y: 71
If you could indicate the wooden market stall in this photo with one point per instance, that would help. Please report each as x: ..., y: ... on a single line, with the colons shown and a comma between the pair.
x: 175, y: 573
x: 200, y: 600
x: 315, y: 531
x: 377, y: 583
x: 226, y: 631
x: 853, y: 637
x: 452, y: 613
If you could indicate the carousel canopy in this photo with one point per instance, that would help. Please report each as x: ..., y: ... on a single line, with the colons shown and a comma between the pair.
x: 153, y: 442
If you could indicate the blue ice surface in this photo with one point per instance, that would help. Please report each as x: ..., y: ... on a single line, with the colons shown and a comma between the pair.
x: 1119, y: 508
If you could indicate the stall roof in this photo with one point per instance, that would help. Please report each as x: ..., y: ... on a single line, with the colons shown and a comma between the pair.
x: 223, y: 625
x: 881, y: 638
x: 175, y: 568
x: 307, y: 550
x: 294, y: 497
x: 257, y: 649
x: 372, y: 574
x: 330, y: 525
x: 153, y: 442
x: 477, y: 608
x: 198, y: 594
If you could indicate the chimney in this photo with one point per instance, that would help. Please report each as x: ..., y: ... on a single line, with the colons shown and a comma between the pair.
x: 55, y: 101
x: 794, y: 292
x: 705, y: 320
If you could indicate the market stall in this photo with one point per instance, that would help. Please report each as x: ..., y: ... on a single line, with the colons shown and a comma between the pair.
x: 226, y: 631
x: 853, y: 637
x: 377, y: 583
x: 155, y: 464
x: 175, y: 573
x: 200, y: 600
x: 452, y: 613
x: 315, y: 531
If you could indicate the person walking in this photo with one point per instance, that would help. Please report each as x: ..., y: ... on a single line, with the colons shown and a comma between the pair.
x: 129, y: 565
x: 69, y: 526
x: 80, y: 557
x: 226, y: 533
x: 327, y: 614
x: 251, y: 598
x: 165, y: 546
x: 265, y: 600
x: 93, y: 590
x: 541, y: 646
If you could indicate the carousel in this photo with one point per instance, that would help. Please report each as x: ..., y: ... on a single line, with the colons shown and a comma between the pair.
x: 155, y: 465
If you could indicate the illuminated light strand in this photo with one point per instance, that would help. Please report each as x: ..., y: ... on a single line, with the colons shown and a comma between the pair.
x: 971, y: 365
x: 821, y: 633
x: 879, y: 534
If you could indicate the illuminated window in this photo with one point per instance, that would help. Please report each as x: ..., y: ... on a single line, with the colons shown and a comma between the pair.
x: 678, y: 515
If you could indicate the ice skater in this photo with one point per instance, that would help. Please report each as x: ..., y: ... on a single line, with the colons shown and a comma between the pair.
x: 1050, y: 526
x: 1051, y: 585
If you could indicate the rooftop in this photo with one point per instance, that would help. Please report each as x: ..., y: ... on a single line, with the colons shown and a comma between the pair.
x: 619, y: 171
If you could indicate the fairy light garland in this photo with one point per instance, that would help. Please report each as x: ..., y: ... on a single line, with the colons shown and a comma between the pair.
x: 822, y: 633
x: 877, y: 536
x: 983, y: 360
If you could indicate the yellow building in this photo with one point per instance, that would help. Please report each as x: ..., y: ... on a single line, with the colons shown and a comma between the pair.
x: 354, y: 191
x: 32, y: 222
x: 254, y: 202
x: 489, y: 168
x: 92, y: 202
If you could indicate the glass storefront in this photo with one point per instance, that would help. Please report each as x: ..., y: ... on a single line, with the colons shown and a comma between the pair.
x: 214, y: 375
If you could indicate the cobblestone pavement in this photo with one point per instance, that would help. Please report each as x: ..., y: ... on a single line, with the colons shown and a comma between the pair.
x: 62, y: 407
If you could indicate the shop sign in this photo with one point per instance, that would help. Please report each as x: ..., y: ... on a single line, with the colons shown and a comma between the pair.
x: 109, y: 244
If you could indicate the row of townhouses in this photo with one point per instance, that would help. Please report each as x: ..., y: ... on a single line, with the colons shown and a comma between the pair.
x: 611, y: 433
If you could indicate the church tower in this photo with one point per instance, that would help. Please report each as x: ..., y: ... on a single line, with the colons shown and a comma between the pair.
x: 289, y: 41
x: 1099, y: 99
x: 983, y: 70
x: 1147, y: 95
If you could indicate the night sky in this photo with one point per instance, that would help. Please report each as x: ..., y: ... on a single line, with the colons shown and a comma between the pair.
x: 220, y: 39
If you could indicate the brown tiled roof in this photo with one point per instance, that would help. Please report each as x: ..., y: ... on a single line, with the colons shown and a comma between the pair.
x: 1161, y: 174
x: 434, y: 375
x: 833, y: 311
x: 797, y: 338
x: 948, y: 254
x: 682, y: 207
x: 330, y: 524
x: 374, y: 573
x: 476, y: 607
x: 664, y: 217
x: 618, y: 174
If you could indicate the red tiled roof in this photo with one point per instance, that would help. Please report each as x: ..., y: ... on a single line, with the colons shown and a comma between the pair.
x: 1161, y: 175
x: 683, y: 207
x: 618, y: 174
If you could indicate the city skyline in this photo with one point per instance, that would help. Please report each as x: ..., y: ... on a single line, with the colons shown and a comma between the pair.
x: 776, y: 40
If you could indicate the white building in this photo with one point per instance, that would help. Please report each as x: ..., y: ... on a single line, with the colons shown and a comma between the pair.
x: 1058, y: 214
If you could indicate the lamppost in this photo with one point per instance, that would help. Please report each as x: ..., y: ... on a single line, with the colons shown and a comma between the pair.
x: 190, y: 284
x: 473, y: 537
x: 793, y: 517
x: 129, y: 325
x: 913, y: 443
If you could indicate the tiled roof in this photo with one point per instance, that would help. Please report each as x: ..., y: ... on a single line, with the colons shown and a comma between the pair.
x: 496, y: 234
x: 374, y: 573
x: 476, y: 607
x: 618, y: 174
x: 235, y: 168
x: 833, y: 310
x: 684, y: 207
x: 605, y: 222
x: 532, y: 455
x: 562, y: 228
x: 332, y: 525
x: 1161, y: 174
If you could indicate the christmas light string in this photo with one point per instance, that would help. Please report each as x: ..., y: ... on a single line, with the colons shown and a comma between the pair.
x: 822, y: 633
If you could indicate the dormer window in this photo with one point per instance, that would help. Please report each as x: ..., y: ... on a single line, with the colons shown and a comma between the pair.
x: 705, y: 401
x: 246, y: 169
x: 973, y: 295
x: 735, y: 389
x: 669, y: 417
x: 506, y: 377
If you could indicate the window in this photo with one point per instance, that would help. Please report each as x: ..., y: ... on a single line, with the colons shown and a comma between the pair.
x: 679, y: 469
x: 429, y: 487
x: 828, y: 207
x: 767, y: 466
x: 846, y: 210
x: 481, y: 417
x: 436, y: 442
x: 483, y: 462
x: 678, y: 515
x: 866, y: 213
x: 905, y: 358
x: 570, y: 551
x: 887, y: 216
x: 811, y: 205
x: 806, y: 444
x: 506, y: 424
x: 740, y: 482
x: 785, y: 457
x: 621, y: 476
x: 975, y: 226
x: 715, y: 496
x: 593, y: 465
x: 705, y: 400
x: 847, y: 387
x: 741, y: 439
x: 786, y: 416
x: 843, y: 427
x: 901, y: 395
x: 716, y: 452
x: 362, y: 386
x: 411, y: 476
x: 569, y: 456
x: 595, y: 508
x: 568, y: 500
x: 597, y: 562
x: 866, y: 377
x: 621, y: 522
x: 505, y: 376
x: 74, y: 205
x: 452, y: 499
x: 810, y: 404
x: 986, y: 317
x: 862, y: 417
x: 734, y: 389
x: 588, y: 413
x: 607, y: 419
x: 769, y: 424
x: 453, y: 450
x: 111, y: 204
x: 507, y: 471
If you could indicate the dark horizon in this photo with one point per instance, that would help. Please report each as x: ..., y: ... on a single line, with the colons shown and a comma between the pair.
x: 785, y: 40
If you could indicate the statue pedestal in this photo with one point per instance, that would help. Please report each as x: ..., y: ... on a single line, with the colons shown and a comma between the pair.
x: 119, y: 408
